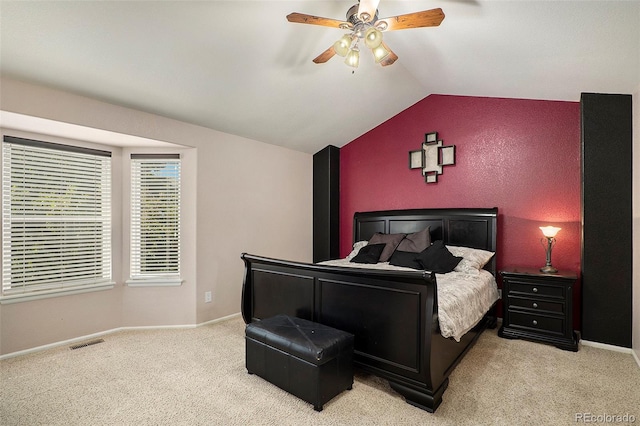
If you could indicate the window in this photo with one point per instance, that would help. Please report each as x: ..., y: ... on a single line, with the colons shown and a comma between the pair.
x: 155, y: 219
x: 56, y: 218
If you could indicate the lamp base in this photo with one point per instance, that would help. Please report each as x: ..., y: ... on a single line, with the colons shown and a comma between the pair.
x: 548, y: 269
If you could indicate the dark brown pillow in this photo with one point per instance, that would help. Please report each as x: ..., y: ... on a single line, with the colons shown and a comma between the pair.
x: 436, y: 258
x: 416, y: 242
x: 391, y: 241
x: 369, y: 253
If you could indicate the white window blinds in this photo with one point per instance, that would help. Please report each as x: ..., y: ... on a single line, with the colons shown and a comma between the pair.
x: 56, y: 216
x: 155, y: 216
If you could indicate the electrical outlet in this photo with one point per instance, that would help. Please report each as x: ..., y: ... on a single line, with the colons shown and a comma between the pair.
x: 207, y: 297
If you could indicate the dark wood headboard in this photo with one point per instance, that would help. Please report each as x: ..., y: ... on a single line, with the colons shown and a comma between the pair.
x: 475, y: 228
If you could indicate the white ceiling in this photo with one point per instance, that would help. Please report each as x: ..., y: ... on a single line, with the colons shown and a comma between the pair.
x: 241, y: 68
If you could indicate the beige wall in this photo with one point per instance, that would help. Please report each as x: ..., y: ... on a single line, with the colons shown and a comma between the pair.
x: 636, y: 223
x: 245, y: 196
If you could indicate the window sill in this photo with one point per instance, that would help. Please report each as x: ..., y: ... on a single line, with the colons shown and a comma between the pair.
x: 47, y: 294
x: 154, y: 282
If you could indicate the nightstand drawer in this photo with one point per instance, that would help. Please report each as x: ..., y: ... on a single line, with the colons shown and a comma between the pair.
x: 536, y: 289
x: 536, y: 304
x: 537, y: 322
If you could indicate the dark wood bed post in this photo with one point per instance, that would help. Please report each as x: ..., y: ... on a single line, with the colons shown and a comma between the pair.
x: 245, y: 307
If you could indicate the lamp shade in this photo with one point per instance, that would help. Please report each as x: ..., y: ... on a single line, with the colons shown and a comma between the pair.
x: 372, y: 38
x: 342, y: 46
x: 549, y: 231
x: 353, y: 57
x: 379, y: 53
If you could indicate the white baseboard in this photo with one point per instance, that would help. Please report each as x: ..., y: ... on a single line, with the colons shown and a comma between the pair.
x: 114, y: 330
x: 606, y: 346
x: 228, y: 317
x: 612, y: 348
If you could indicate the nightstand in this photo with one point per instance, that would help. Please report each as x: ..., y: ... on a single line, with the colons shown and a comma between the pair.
x: 538, y: 306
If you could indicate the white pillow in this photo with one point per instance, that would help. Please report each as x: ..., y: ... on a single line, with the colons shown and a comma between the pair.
x: 356, y: 248
x: 472, y: 259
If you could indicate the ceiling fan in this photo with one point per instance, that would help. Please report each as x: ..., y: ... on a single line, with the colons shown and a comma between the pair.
x: 364, y: 25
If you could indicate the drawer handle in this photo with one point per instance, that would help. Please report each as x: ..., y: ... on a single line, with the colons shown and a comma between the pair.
x: 535, y: 305
x: 535, y: 322
x: 535, y: 289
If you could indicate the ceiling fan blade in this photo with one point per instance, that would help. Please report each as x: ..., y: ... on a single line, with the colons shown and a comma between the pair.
x: 426, y: 18
x: 325, y: 56
x: 302, y: 18
x: 369, y: 7
x: 391, y: 57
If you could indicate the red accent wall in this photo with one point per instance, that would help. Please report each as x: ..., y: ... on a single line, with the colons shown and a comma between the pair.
x: 522, y: 156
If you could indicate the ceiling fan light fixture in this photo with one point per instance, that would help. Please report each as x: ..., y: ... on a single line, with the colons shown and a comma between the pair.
x: 382, y: 25
x: 380, y: 53
x: 342, y: 46
x: 353, y: 57
x: 365, y: 17
x: 372, y: 38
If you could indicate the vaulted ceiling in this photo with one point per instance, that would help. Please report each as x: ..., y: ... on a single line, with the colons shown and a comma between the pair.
x: 241, y: 68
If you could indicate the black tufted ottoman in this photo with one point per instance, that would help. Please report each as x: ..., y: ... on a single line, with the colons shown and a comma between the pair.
x: 309, y: 360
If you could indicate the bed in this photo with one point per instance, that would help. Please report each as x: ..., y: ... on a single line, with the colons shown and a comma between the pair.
x: 393, y: 314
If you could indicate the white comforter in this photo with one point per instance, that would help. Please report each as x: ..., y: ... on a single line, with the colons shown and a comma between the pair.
x: 463, y: 298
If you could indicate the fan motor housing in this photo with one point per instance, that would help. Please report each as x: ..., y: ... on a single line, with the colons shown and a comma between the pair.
x: 352, y: 15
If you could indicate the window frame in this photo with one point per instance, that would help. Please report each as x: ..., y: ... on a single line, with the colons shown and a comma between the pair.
x: 11, y: 145
x: 137, y: 277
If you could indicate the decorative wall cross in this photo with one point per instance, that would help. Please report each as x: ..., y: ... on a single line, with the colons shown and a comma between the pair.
x: 432, y: 157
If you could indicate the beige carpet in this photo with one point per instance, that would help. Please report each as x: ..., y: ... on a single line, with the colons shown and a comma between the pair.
x: 197, y: 377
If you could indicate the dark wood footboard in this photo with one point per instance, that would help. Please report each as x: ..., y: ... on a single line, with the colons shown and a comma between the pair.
x: 392, y: 315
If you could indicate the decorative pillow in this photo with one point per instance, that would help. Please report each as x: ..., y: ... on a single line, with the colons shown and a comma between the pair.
x: 406, y: 259
x: 356, y: 248
x: 472, y: 259
x: 369, y: 254
x: 391, y: 241
x: 416, y: 242
x: 436, y: 258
